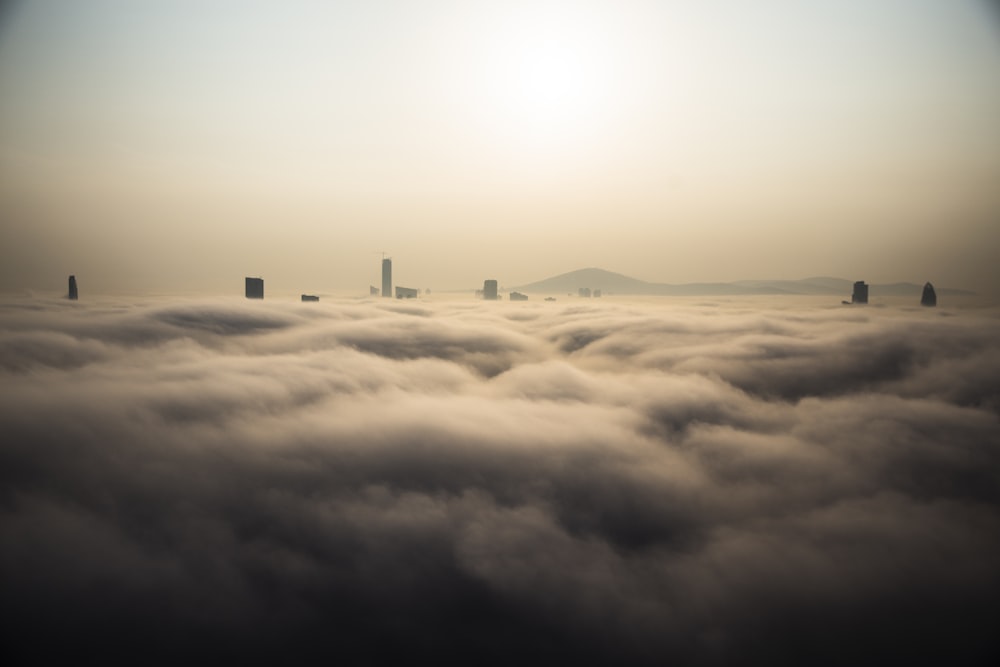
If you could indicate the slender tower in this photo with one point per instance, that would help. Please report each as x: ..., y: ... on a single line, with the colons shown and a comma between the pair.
x: 387, y: 277
x: 73, y: 293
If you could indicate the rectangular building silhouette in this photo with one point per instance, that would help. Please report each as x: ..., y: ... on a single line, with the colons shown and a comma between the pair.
x: 860, y: 294
x: 255, y: 288
x: 490, y: 290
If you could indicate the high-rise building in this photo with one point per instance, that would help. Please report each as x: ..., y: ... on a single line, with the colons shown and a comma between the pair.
x: 387, y: 277
x: 490, y: 290
x: 584, y: 292
x: 860, y: 294
x: 73, y: 293
x: 255, y: 288
x: 406, y: 292
x: 929, y: 297
x: 310, y: 297
x: 517, y: 296
x: 372, y: 290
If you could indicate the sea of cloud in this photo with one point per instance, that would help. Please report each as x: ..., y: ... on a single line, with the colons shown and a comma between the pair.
x: 672, y: 480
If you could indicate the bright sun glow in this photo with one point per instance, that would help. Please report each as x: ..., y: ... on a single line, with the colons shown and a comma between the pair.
x: 546, y: 81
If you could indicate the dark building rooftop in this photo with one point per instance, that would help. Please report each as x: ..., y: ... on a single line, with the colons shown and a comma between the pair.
x: 255, y: 288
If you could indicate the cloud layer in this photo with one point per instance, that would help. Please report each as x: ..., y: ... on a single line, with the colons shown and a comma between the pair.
x: 368, y: 481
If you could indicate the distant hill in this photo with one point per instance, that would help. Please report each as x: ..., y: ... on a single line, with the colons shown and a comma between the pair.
x: 593, y: 278
x: 616, y: 283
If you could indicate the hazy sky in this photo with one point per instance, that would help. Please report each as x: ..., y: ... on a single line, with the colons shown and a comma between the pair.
x: 183, y: 145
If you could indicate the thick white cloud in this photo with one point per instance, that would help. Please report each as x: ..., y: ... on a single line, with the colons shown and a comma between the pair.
x: 637, y: 482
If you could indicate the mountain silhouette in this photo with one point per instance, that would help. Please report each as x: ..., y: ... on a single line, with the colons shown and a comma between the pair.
x: 616, y: 283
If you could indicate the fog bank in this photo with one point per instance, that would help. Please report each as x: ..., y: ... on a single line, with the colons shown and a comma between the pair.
x: 703, y: 482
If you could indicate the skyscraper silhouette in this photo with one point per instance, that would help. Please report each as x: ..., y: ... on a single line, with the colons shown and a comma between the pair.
x: 929, y: 297
x: 73, y: 293
x: 387, y: 277
x: 255, y: 288
x: 490, y: 290
x: 860, y: 294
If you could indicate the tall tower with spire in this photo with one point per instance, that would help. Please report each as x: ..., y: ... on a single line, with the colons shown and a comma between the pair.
x: 387, y: 277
